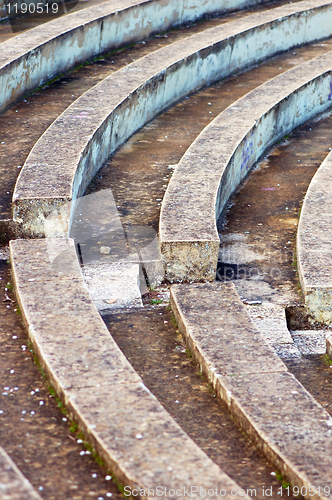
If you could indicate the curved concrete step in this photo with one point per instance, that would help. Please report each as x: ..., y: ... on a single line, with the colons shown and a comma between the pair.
x: 228, y: 148
x: 314, y: 244
x: 284, y: 420
x: 13, y: 485
x: 141, y: 90
x: 34, y: 57
x: 136, y: 437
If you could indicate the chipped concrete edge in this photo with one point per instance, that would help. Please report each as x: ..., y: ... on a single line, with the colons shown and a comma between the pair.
x: 166, y: 456
x: 241, y: 415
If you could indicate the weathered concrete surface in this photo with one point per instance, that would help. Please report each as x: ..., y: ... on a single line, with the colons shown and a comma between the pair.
x: 113, y: 258
x: 269, y: 403
x: 310, y: 341
x: 34, y: 57
x: 314, y: 246
x: 133, y: 433
x: 221, y: 157
x: 329, y: 346
x: 13, y: 485
x: 114, y: 109
x: 113, y: 285
x: 270, y: 319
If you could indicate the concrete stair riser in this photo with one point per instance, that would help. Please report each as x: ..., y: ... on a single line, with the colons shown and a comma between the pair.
x: 139, y: 92
x: 267, y: 401
x: 228, y: 148
x: 128, y: 427
x: 34, y: 57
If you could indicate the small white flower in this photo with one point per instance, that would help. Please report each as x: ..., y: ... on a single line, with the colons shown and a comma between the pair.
x: 41, y: 403
x: 108, y: 478
x: 139, y: 436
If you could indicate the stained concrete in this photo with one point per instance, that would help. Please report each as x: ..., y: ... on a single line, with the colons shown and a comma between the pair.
x: 314, y: 246
x: 33, y: 57
x: 136, y: 437
x: 140, y: 91
x: 221, y: 157
x: 152, y: 343
x: 270, y: 404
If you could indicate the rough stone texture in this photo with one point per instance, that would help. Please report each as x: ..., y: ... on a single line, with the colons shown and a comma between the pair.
x: 114, y: 285
x: 115, y: 108
x: 314, y: 245
x: 34, y: 57
x: 222, y: 155
x: 310, y: 341
x: 270, y: 319
x: 269, y: 403
x: 329, y: 346
x: 133, y: 433
x: 13, y: 485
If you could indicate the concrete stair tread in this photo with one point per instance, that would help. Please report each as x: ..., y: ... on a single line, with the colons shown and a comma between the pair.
x: 143, y: 79
x: 147, y: 447
x: 247, y: 128
x: 270, y: 404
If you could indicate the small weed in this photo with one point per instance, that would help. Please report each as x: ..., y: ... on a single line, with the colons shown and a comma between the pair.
x: 10, y: 286
x: 174, y: 321
x: 327, y: 360
x: 282, y: 480
x: 73, y: 427
x: 299, y: 211
x: 51, y: 391
x: 156, y: 301
x: 189, y: 353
